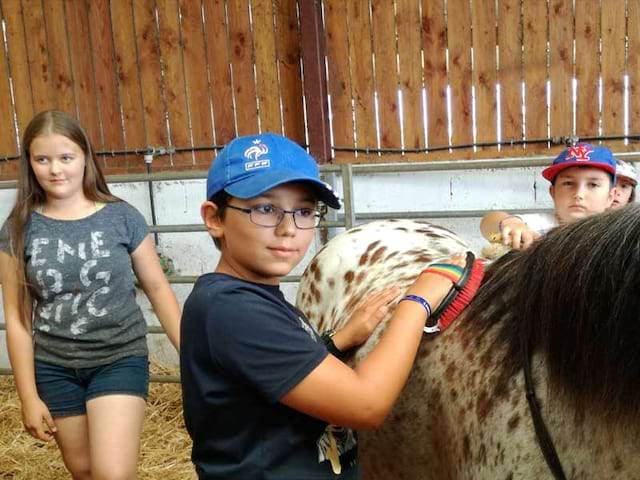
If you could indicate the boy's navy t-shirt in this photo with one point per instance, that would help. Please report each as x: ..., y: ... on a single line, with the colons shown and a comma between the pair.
x: 243, y: 347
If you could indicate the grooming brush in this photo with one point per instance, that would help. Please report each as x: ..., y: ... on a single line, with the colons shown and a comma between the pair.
x: 466, y: 282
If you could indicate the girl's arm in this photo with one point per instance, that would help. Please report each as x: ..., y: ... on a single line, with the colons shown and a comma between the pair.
x: 146, y: 266
x: 362, y: 397
x: 35, y: 414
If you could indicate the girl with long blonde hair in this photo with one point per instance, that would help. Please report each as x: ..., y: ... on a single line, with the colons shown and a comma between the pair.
x: 75, y: 335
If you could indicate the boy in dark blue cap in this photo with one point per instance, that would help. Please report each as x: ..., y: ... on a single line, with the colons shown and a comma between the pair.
x: 260, y: 389
x: 582, y: 179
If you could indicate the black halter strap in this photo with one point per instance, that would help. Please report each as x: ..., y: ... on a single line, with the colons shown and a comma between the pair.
x: 542, y: 433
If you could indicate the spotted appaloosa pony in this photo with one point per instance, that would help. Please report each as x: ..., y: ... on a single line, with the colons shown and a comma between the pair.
x: 573, y: 297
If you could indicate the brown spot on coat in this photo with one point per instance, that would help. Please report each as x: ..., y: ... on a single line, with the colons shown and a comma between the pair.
x: 513, y: 422
x: 317, y: 274
x: 466, y: 448
x: 349, y: 276
x: 375, y: 257
x: 483, y: 406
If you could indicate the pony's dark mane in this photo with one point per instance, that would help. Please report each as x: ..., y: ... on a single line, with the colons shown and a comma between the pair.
x: 574, y: 295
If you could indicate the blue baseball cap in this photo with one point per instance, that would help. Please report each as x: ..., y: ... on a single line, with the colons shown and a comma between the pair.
x: 249, y: 166
x: 582, y: 155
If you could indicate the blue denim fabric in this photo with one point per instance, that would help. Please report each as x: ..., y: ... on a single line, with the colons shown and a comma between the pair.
x: 66, y: 391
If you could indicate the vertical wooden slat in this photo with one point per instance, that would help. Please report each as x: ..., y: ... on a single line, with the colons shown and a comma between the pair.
x: 244, y: 87
x: 174, y: 81
x: 39, y: 69
x: 82, y: 68
x: 535, y: 69
x: 459, y: 20
x: 587, y: 68
x: 316, y: 100
x: 219, y: 70
x: 384, y: 49
x: 8, y: 143
x: 195, y: 63
x: 409, y: 32
x: 128, y: 81
x: 337, y: 39
x: 59, y: 62
x: 435, y: 71
x: 266, y: 61
x: 561, y: 67
x: 287, y: 37
x: 633, y: 66
x: 362, y: 72
x: 510, y: 72
x: 112, y: 137
x: 151, y: 78
x: 613, y: 55
x: 18, y: 62
x: 484, y: 69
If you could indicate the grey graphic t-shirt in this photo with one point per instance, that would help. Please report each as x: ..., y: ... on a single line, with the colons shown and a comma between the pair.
x: 85, y: 301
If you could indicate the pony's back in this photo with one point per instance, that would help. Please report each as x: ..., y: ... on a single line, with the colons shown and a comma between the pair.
x: 463, y: 413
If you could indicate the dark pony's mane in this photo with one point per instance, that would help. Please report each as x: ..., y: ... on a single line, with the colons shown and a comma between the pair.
x: 575, y: 296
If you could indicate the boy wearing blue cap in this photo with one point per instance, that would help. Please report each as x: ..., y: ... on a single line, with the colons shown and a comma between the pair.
x: 262, y: 395
x: 582, y: 179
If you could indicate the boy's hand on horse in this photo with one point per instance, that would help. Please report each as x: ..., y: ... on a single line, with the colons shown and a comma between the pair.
x: 365, y: 319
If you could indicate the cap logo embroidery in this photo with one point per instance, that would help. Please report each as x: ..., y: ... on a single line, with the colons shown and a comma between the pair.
x: 254, y: 153
x: 579, y: 152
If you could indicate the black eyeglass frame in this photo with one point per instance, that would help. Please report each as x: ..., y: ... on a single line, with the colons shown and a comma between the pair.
x: 319, y: 213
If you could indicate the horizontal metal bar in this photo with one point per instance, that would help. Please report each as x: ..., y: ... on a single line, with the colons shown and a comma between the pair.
x: 166, y: 176
x: 177, y: 228
x: 340, y: 222
x: 442, y: 214
x: 495, y: 163
x: 488, y: 164
x: 201, y: 228
x: 182, y: 175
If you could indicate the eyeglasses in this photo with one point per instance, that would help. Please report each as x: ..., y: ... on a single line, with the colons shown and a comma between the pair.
x: 271, y: 216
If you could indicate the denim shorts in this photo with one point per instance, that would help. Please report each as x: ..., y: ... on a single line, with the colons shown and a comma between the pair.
x: 66, y: 391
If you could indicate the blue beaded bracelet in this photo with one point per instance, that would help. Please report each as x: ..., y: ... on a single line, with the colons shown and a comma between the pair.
x: 420, y: 300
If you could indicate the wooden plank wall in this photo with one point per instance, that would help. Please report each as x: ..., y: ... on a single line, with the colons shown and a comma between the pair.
x: 402, y: 75
x: 488, y: 71
x: 138, y: 73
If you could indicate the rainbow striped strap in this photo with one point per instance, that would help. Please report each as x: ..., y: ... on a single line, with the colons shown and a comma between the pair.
x: 420, y: 300
x: 451, y: 272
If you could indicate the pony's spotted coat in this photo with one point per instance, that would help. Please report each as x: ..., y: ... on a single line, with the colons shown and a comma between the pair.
x: 457, y: 417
